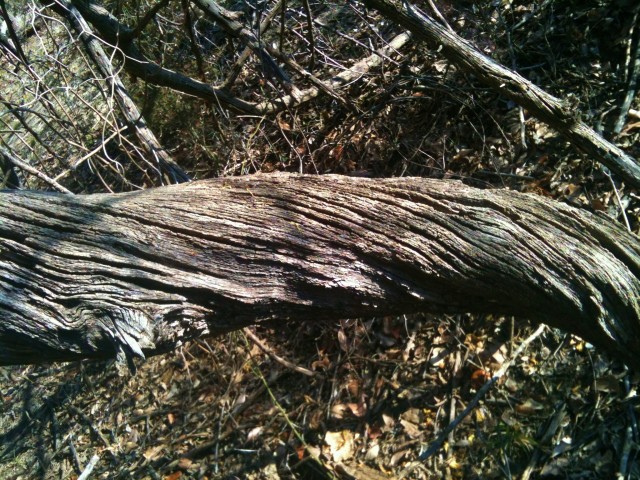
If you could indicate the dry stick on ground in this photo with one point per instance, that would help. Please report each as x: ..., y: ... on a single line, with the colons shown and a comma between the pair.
x: 89, y: 468
x: 352, y: 74
x: 282, y: 361
x: 437, y: 13
x: 550, y: 430
x: 135, y: 274
x: 161, y: 160
x: 513, y: 86
x: 437, y: 443
x: 322, y: 86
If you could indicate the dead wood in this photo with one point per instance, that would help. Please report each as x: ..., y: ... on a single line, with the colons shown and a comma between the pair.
x: 162, y: 161
x: 551, y: 110
x: 110, y: 30
x: 139, y: 273
x: 136, y: 64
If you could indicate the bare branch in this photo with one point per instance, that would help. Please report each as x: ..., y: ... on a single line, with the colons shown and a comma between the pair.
x: 33, y: 171
x: 144, y: 21
x: 162, y: 160
x: 513, y: 86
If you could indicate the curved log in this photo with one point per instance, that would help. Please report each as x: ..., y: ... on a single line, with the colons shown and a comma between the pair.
x: 138, y: 273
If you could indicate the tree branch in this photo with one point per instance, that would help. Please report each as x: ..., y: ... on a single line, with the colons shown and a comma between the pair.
x: 162, y: 161
x: 228, y: 21
x: 546, y: 107
x: 118, y: 35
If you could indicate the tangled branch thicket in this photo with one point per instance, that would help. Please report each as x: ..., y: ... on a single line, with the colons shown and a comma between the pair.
x: 198, y: 90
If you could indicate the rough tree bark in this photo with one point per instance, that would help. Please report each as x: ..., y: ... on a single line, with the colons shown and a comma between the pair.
x: 138, y: 273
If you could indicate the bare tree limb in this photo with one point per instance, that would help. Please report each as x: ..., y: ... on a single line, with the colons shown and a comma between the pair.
x: 228, y: 21
x: 17, y: 45
x: 264, y: 25
x: 33, y: 171
x: 144, y: 21
x: 160, y: 159
x: 355, y: 72
x: 513, y: 86
x: 118, y: 35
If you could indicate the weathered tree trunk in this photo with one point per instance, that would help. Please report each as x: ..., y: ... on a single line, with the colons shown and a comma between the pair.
x: 100, y: 275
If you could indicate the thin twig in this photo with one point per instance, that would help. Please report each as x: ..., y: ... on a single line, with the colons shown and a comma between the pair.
x: 299, y: 69
x: 89, y: 468
x: 12, y: 33
x: 34, y: 171
x: 552, y: 426
x: 237, y: 66
x: 342, y: 80
x: 437, y: 13
x: 437, y: 443
x: 146, y: 19
x: 74, y: 456
x: 76, y: 163
x: 310, y: 39
x: 275, y: 357
x: 615, y: 191
x: 631, y: 435
x: 195, y: 49
x: 452, y: 404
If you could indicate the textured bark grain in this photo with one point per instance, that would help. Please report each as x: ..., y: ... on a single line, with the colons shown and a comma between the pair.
x: 138, y: 273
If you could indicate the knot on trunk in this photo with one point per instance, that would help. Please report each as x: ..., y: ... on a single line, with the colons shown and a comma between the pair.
x: 127, y: 329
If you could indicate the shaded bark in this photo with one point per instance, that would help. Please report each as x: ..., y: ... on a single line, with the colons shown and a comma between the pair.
x: 138, y: 273
x: 546, y: 107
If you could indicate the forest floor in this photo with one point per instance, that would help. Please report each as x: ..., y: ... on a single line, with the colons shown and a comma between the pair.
x: 371, y: 398
x: 362, y: 399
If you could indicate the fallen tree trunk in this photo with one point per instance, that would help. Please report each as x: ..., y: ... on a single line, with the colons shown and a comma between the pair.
x: 138, y: 273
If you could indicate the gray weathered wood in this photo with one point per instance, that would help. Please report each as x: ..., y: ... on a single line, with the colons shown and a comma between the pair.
x: 551, y: 110
x: 139, y: 273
